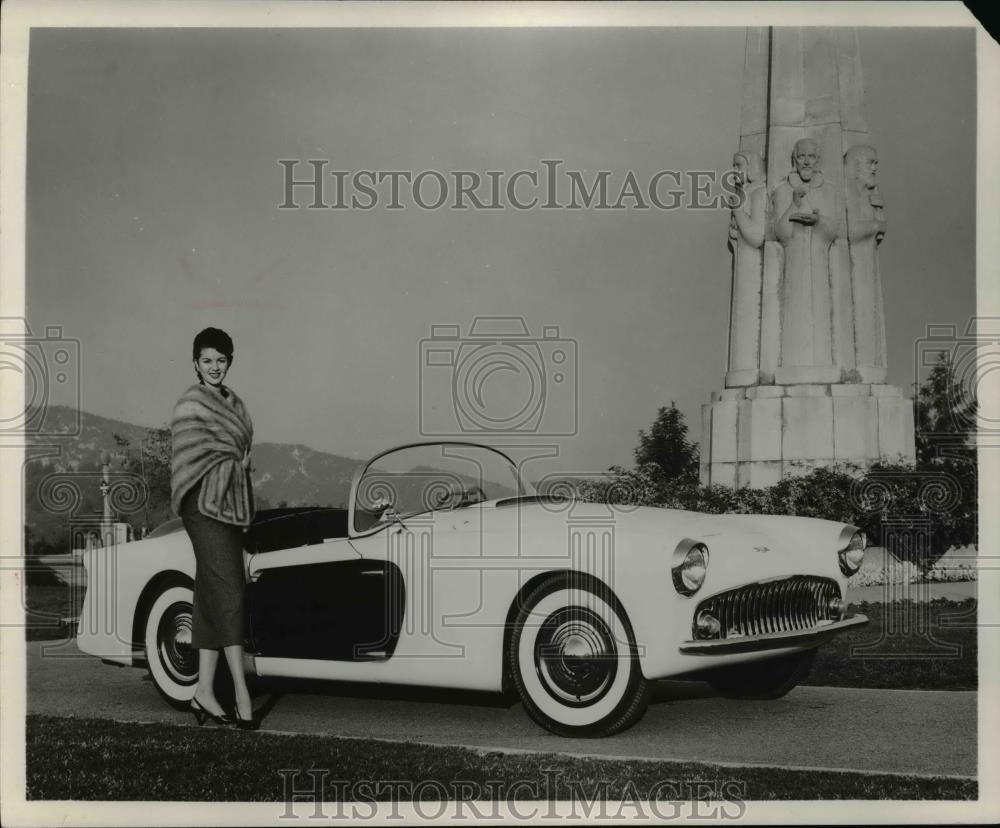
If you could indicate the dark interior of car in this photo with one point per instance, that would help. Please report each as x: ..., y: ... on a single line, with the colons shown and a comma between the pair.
x: 284, y: 528
x: 287, y: 528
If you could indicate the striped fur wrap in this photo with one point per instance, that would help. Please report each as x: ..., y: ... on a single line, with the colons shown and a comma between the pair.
x: 210, y: 436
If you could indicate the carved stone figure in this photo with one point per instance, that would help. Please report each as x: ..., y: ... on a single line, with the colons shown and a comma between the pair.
x: 865, y: 230
x: 747, y: 223
x: 805, y: 384
x: 804, y: 207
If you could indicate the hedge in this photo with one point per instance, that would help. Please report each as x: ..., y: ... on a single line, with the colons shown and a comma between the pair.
x: 917, y: 513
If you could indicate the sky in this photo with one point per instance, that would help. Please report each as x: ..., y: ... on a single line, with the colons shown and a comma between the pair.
x: 153, y: 187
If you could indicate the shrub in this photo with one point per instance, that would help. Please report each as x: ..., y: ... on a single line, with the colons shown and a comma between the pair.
x: 918, y: 513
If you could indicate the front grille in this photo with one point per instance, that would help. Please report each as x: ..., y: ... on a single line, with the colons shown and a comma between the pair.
x: 796, y: 603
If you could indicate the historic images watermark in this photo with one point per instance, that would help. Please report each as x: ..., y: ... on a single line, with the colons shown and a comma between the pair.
x: 310, y: 185
x: 909, y: 621
x: 498, y: 379
x: 47, y: 362
x: 415, y: 496
x: 314, y: 794
x: 923, y: 510
x: 974, y: 357
x: 71, y: 498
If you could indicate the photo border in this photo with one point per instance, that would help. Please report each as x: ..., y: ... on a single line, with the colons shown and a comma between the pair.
x: 20, y: 16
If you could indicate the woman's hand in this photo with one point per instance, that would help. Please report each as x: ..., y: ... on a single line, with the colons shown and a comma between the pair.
x: 246, y: 459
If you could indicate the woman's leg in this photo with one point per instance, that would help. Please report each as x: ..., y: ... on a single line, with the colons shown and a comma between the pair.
x: 204, y: 693
x: 234, y: 658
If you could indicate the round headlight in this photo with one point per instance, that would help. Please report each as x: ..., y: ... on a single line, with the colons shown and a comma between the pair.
x: 852, y: 555
x: 690, y: 566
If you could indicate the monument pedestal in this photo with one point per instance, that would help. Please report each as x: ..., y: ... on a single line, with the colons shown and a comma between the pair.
x: 755, y: 435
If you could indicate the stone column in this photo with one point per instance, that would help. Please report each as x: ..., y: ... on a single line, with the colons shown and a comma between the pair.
x: 806, y: 371
x: 106, y: 516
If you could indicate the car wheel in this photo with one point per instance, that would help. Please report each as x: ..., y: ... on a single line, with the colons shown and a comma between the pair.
x: 771, y: 678
x: 573, y: 658
x: 172, y: 661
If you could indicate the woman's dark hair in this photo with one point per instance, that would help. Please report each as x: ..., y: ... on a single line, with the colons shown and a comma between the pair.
x: 213, y: 338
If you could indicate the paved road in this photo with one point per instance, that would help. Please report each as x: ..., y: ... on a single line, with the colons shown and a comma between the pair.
x: 899, y: 731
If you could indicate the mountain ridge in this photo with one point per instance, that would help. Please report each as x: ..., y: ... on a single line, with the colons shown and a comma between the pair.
x: 292, y: 474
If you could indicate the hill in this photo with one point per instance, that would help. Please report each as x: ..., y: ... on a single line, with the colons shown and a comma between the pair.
x: 62, y: 475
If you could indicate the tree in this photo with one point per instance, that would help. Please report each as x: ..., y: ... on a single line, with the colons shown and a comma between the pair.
x: 945, y: 417
x: 155, y: 456
x: 667, y: 446
x: 151, y: 463
x: 945, y: 437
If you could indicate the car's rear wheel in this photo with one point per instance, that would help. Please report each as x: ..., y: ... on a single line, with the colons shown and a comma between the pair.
x: 172, y: 661
x: 574, y: 662
x: 771, y: 678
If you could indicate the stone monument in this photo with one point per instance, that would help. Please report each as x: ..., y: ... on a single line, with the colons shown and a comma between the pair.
x: 805, y: 383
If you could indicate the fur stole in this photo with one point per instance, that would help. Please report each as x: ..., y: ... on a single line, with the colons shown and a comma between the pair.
x: 210, y: 435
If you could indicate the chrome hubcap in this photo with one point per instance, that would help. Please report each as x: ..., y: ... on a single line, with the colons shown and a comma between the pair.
x: 577, y: 647
x: 173, y: 642
x: 575, y: 656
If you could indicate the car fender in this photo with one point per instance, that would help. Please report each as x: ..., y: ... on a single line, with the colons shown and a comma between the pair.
x: 116, y: 579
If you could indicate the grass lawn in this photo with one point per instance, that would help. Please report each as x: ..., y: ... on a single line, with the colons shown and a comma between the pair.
x: 85, y: 758
x: 906, y: 645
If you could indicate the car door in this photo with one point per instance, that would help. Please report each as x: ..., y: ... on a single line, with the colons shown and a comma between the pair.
x: 321, y: 600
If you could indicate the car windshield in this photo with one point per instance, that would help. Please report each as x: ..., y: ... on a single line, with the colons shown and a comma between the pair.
x: 416, y: 479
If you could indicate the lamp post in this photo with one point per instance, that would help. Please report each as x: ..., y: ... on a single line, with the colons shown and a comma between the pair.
x: 106, y: 529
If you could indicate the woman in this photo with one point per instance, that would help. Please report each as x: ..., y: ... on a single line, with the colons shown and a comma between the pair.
x: 212, y: 492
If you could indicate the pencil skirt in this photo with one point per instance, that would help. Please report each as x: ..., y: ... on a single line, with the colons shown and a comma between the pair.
x: 219, y: 586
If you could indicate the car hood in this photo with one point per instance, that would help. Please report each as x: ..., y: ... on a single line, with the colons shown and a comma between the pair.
x: 772, y: 545
x: 657, y: 520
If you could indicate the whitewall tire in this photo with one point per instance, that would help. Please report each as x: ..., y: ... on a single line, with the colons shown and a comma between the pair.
x: 573, y: 658
x: 172, y: 662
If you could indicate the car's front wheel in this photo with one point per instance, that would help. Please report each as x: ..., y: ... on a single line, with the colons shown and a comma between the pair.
x: 771, y: 678
x: 172, y: 662
x: 573, y: 659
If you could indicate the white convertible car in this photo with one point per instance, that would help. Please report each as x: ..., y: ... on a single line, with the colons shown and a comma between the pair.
x: 447, y: 569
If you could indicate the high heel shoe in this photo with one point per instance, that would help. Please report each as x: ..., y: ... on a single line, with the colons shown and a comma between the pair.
x: 201, y: 714
x: 253, y: 723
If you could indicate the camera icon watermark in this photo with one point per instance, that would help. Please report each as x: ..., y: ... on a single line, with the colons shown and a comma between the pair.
x: 497, y: 380
x: 973, y: 388
x: 47, y: 365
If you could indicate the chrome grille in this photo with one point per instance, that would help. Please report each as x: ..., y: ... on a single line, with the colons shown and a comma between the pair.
x: 796, y: 603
